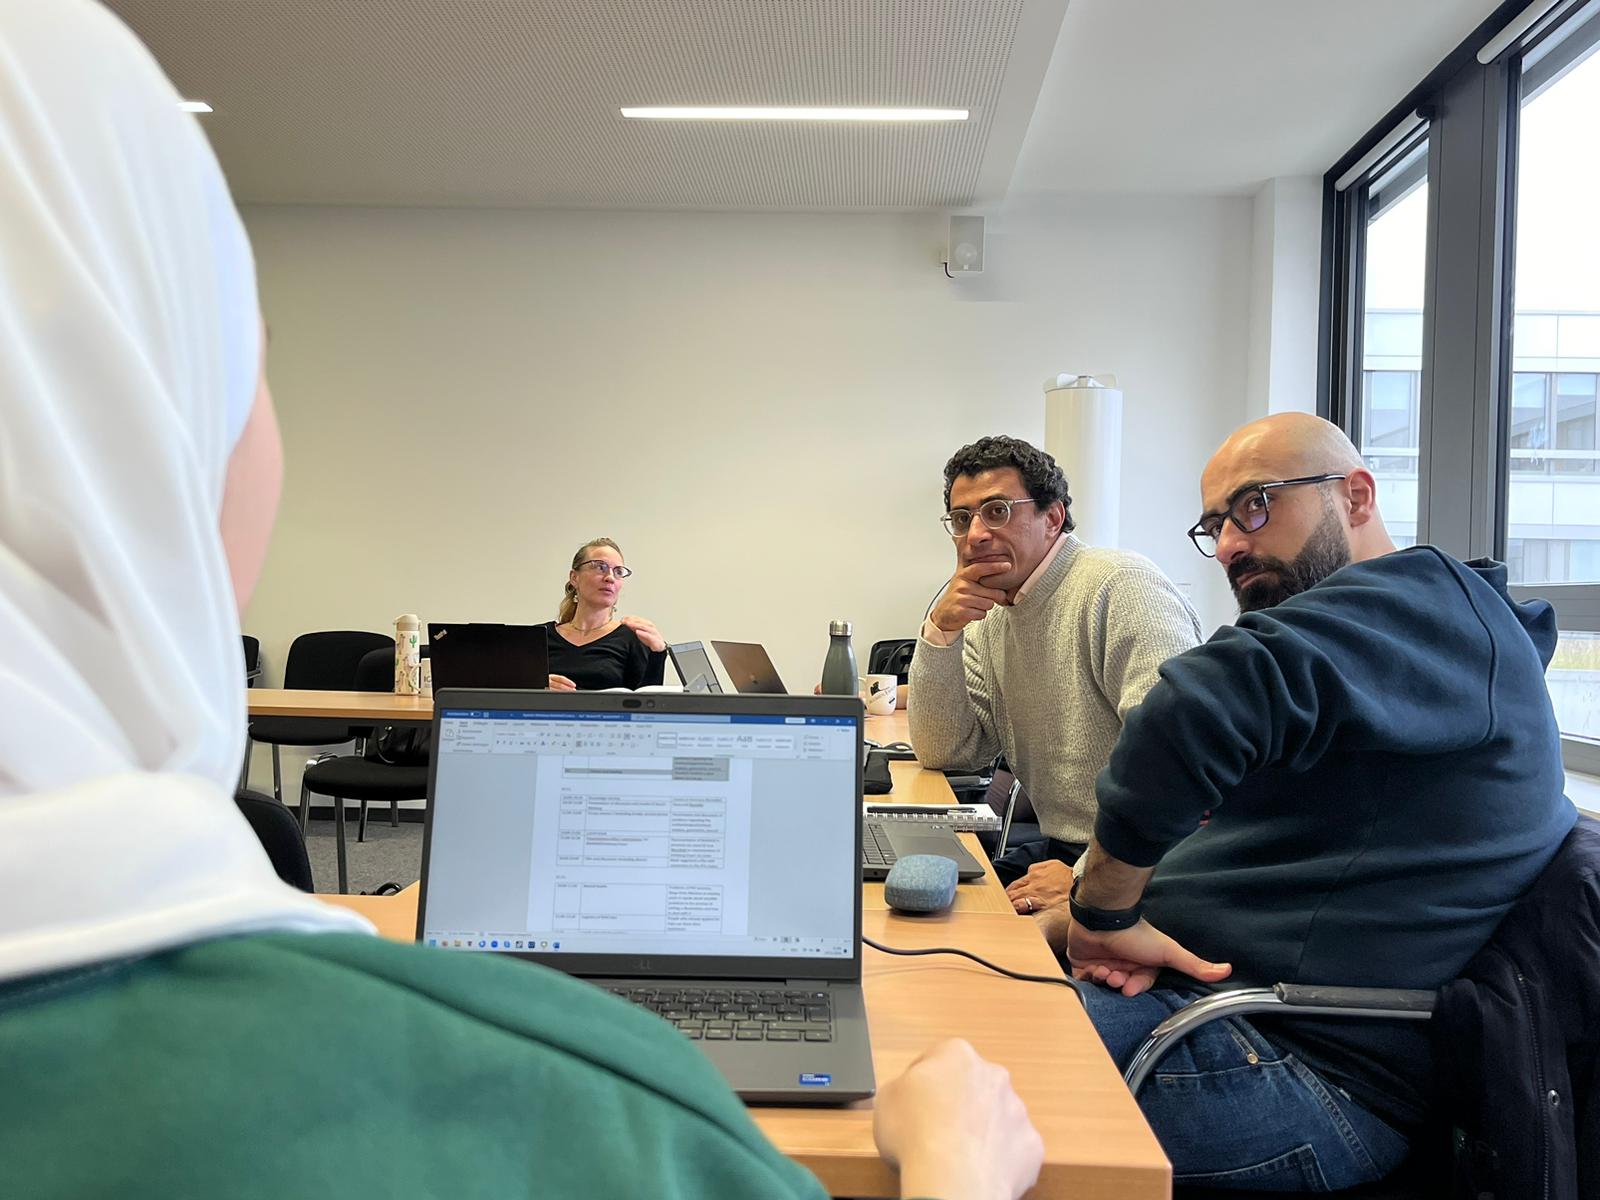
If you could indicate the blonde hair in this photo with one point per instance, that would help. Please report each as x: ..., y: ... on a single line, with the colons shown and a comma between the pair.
x: 569, y: 597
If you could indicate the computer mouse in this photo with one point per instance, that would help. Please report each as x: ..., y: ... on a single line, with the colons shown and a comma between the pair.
x: 920, y: 884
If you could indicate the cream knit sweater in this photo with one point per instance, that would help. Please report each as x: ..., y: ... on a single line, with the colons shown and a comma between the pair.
x: 1048, y: 680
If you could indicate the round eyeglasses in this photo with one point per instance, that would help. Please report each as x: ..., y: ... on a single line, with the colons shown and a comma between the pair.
x: 599, y: 566
x: 1248, y: 510
x: 994, y: 513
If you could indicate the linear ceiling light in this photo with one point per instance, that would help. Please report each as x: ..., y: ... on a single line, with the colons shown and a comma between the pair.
x: 746, y: 113
x: 194, y: 106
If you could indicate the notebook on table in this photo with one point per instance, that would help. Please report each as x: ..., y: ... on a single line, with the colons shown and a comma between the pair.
x: 695, y: 854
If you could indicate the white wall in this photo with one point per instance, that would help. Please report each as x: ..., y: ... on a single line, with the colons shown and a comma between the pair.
x: 1286, y: 266
x: 757, y: 407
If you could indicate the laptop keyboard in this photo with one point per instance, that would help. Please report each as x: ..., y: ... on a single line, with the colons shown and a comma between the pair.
x: 739, y: 1014
x: 875, y: 848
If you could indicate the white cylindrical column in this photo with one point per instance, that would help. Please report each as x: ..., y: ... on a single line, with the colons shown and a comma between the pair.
x: 1083, y: 433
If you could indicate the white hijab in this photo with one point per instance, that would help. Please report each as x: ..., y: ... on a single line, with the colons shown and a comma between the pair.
x: 129, y: 345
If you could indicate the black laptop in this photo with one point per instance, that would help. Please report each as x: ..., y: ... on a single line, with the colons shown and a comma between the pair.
x: 694, y: 667
x: 695, y: 854
x: 482, y: 655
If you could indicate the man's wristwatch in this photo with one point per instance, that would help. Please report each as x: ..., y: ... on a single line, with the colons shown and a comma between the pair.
x: 1101, y: 920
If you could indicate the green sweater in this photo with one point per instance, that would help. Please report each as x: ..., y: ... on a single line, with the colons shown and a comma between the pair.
x: 336, y: 1065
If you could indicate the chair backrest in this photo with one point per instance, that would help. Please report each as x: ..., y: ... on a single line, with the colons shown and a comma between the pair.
x: 1518, y: 1063
x: 892, y: 657
x: 375, y: 671
x: 280, y: 836
x: 252, y: 659
x: 328, y: 660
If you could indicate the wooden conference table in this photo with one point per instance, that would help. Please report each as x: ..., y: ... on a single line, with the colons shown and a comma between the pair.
x: 1097, y: 1145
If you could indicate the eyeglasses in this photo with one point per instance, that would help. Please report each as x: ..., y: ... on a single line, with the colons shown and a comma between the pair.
x: 995, y: 513
x: 599, y: 566
x: 1248, y: 510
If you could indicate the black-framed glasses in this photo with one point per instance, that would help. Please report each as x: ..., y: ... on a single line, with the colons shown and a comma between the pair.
x: 599, y: 566
x: 994, y: 513
x: 1248, y: 509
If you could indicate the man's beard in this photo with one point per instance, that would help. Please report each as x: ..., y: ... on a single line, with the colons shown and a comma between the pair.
x: 1325, y: 552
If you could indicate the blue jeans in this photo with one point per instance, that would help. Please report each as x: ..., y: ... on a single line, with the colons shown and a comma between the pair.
x: 1227, y: 1121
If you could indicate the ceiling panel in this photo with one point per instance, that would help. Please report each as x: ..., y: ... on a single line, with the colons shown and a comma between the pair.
x: 513, y: 103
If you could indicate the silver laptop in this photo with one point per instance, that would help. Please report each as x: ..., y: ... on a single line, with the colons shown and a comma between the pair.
x: 749, y: 668
x: 694, y: 667
x: 695, y: 854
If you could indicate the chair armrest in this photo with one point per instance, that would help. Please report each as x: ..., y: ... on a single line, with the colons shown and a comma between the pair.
x: 1349, y: 1001
x: 1284, y: 999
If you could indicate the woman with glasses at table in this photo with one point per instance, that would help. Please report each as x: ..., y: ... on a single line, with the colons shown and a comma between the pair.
x: 590, y: 646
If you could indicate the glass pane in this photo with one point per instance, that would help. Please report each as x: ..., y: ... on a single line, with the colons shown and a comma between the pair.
x: 1553, y: 500
x: 1574, y: 683
x: 1529, y: 423
x: 1391, y: 337
x: 1575, y: 423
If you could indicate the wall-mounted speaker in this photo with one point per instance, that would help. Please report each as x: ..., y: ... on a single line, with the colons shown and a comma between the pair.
x: 965, y: 252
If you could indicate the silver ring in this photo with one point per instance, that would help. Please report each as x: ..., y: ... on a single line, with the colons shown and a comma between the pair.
x: 1029, y: 899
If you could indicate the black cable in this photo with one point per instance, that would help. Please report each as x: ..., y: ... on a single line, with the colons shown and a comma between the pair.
x: 1063, y: 980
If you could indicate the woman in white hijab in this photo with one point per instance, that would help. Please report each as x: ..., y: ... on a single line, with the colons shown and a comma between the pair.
x: 162, y: 996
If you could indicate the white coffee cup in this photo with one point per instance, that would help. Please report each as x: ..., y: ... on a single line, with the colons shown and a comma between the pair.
x: 880, y: 693
x: 426, y: 668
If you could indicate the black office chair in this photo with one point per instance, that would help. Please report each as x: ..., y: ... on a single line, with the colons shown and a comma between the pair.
x: 252, y: 659
x: 280, y: 836
x: 362, y: 777
x: 323, y: 661
x: 1549, y: 943
x: 892, y: 657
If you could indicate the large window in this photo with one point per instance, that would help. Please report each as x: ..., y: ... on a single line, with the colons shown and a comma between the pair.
x: 1462, y: 320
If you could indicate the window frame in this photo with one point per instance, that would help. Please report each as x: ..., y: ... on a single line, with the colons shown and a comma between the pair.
x: 1470, y: 114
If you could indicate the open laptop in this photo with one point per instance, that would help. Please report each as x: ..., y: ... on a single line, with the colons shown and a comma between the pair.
x: 488, y: 656
x: 693, y: 664
x: 886, y: 839
x: 749, y: 669
x: 695, y: 854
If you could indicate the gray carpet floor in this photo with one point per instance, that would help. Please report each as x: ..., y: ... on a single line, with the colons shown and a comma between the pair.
x: 387, y: 856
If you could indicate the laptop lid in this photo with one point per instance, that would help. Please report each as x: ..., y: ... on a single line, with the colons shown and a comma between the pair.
x: 692, y: 663
x: 484, y: 655
x: 749, y: 669
x: 660, y: 834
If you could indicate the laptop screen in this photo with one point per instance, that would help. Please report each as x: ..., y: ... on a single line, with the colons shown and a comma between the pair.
x: 594, y: 831
x: 692, y: 662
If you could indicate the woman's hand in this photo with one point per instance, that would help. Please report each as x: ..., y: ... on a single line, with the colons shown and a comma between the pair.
x: 646, y: 632
x: 988, y: 1151
x: 560, y: 683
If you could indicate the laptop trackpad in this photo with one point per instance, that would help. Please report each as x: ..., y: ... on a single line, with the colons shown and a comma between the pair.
x: 906, y: 844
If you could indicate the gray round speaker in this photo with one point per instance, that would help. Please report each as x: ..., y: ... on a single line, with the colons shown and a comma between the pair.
x: 921, y: 883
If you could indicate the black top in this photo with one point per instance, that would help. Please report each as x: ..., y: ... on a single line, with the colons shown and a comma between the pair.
x: 1383, y: 771
x: 619, y: 659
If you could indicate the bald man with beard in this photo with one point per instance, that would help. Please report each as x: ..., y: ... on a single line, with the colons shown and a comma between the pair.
x: 1376, y: 747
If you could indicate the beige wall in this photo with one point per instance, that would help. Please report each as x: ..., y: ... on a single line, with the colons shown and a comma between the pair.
x: 757, y: 407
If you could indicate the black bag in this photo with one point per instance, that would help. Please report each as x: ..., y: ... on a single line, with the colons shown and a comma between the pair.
x: 876, y: 779
x: 400, y: 745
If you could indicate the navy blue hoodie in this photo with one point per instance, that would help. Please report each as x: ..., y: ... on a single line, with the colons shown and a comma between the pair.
x: 1383, y: 770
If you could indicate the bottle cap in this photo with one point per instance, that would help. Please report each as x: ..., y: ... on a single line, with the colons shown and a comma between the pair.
x: 407, y: 621
x: 839, y: 628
